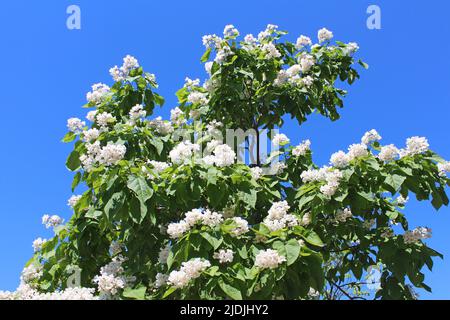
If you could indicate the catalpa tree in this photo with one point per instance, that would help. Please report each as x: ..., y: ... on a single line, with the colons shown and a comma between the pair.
x: 173, y: 210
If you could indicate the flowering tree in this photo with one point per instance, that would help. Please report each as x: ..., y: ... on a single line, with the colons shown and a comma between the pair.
x: 171, y: 211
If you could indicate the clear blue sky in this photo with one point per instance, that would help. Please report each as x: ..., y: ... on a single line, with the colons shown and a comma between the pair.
x: 47, y: 69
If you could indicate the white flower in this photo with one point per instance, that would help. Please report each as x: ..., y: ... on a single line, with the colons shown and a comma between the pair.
x: 178, y: 279
x: 302, y: 148
x: 370, y: 136
x: 51, y: 221
x: 75, y: 125
x: 277, y: 167
x: 112, y: 153
x: 268, y: 259
x: 111, y: 278
x: 230, y: 31
x: 303, y: 41
x: 388, y: 153
x: 278, y: 218
x: 280, y: 139
x: 177, y: 116
x: 38, y: 243
x: 183, y: 152
x: 401, y: 201
x: 307, y: 81
x: 196, y: 97
x: 417, y: 234
x: 211, y: 41
x: 189, y: 83
x: 351, y: 48
x: 343, y: 215
x: 278, y: 210
x: 224, y: 156
x: 222, y: 55
x: 91, y: 115
x: 415, y: 145
x: 104, y: 119
x: 193, y: 217
x: 256, y: 172
x: 177, y: 230
x: 208, y: 67
x: 241, y: 226
x: 357, y: 151
x: 211, y: 218
x: 161, y: 126
x: 331, y: 177
x: 31, y: 273
x: 137, y: 112
x: 98, y: 94
x: 306, y: 61
x: 189, y: 270
x: 90, y: 135
x: 224, y: 256
x: 306, y: 219
x: 324, y: 35
x: 73, y: 200
x: 120, y: 74
x: 161, y: 280
x: 271, y: 51
x: 443, y: 168
x: 339, y: 159
x: 158, y: 166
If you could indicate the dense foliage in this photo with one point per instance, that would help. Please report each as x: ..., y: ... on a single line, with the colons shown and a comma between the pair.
x: 168, y: 212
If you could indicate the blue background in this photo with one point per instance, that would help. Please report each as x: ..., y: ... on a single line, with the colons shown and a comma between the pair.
x: 47, y: 69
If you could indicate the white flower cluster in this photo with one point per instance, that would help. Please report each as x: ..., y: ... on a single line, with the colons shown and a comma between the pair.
x: 280, y: 139
x: 51, y: 221
x: 269, y: 259
x: 38, y: 243
x: 73, y: 200
x: 161, y: 126
x: 306, y: 62
x: 212, y: 41
x: 160, y: 280
x: 270, y: 29
x: 351, y: 48
x: 230, y: 31
x: 256, y: 172
x: 31, y: 273
x: 189, y: 83
x: 104, y: 119
x: 241, y: 226
x: 75, y: 125
x: 412, y: 236
x: 183, y: 152
x: 370, y: 137
x: 343, y: 215
x: 302, y: 148
x: 224, y: 256
x: 278, y: 217
x: 303, y: 41
x: 327, y: 174
x: 414, y: 146
x: 177, y: 116
x: 189, y: 270
x: 111, y: 278
x: 120, y: 74
x: 137, y: 112
x: 271, y: 52
x: 91, y: 115
x: 193, y: 217
x: 223, y: 155
x: 91, y: 135
x: 108, y: 155
x: 401, y: 201
x: 98, y: 94
x: 324, y: 35
x: 26, y: 292
x: 388, y: 153
x: 157, y: 168
x: 223, y: 54
x: 443, y: 168
x: 196, y: 97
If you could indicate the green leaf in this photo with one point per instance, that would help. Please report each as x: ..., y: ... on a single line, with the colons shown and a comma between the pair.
x: 114, y: 204
x: 73, y: 161
x: 292, y: 251
x: 394, y: 181
x: 169, y: 292
x: 213, y: 241
x: 140, y: 187
x: 69, y: 137
x: 137, y: 293
x: 205, y: 56
x: 230, y: 291
x: 76, y: 181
